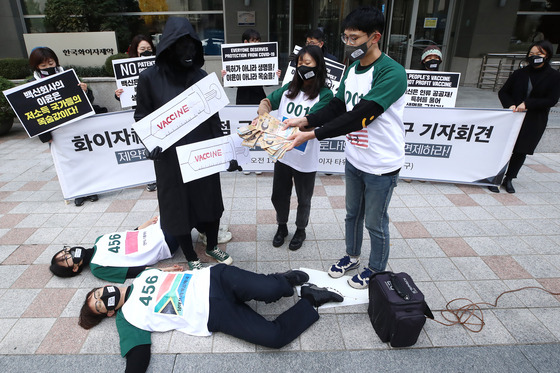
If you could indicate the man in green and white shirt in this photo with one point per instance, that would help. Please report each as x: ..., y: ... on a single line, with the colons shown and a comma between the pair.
x: 368, y: 109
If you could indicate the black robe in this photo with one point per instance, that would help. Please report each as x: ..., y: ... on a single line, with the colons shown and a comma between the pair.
x: 544, y: 95
x: 182, y: 206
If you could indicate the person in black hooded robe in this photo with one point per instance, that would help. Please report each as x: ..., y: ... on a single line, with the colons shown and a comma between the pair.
x: 196, y: 204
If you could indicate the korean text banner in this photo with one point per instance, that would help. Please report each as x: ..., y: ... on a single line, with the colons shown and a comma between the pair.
x: 184, y: 113
x: 442, y: 144
x: 45, y: 104
x: 431, y: 88
x: 250, y: 64
x: 335, y: 72
x: 459, y: 145
x: 127, y: 71
x: 100, y: 154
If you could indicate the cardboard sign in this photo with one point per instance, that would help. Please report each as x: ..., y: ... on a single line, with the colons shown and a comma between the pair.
x: 174, y: 120
x: 100, y: 154
x: 208, y: 157
x: 335, y: 72
x: 250, y: 64
x: 127, y: 71
x: 49, y: 103
x: 432, y: 88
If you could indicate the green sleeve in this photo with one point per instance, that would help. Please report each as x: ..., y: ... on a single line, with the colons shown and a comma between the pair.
x: 325, y: 96
x: 388, y: 86
x: 276, y: 96
x: 111, y: 274
x: 130, y: 336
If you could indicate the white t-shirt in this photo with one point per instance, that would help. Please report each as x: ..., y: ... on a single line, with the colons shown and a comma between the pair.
x: 162, y: 301
x: 142, y: 247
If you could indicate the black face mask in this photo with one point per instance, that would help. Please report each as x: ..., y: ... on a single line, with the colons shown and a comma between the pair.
x: 185, y: 51
x: 357, y: 52
x: 146, y: 54
x: 535, y: 61
x: 110, y: 297
x: 77, y: 253
x: 306, y: 72
x: 48, y: 71
x: 432, y: 65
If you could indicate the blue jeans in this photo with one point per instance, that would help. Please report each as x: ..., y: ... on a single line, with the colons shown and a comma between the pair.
x: 368, y: 195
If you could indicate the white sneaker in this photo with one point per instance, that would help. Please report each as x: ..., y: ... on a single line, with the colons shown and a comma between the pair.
x: 223, y: 236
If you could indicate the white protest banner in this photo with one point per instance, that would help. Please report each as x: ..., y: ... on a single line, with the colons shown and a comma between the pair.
x: 45, y: 104
x: 76, y: 48
x: 250, y: 64
x: 178, y: 117
x: 127, y: 71
x: 442, y: 144
x: 208, y: 157
x: 100, y: 154
x: 335, y: 72
x: 459, y: 145
x: 431, y: 88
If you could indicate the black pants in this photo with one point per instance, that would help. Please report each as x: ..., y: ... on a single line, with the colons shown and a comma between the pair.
x: 515, y: 163
x: 231, y: 287
x: 282, y: 192
x: 185, y: 241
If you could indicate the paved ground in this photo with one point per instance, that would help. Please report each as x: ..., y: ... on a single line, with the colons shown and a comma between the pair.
x: 455, y: 241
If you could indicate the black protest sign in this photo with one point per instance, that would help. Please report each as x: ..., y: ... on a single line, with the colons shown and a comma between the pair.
x: 432, y: 88
x: 127, y: 72
x: 48, y: 103
x: 250, y: 64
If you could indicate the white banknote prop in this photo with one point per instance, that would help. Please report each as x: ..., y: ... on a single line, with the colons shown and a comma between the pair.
x: 208, y: 157
x: 335, y: 72
x: 184, y: 113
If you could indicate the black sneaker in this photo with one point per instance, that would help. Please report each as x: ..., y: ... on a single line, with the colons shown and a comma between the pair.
x: 93, y: 198
x: 79, y: 201
x: 295, y: 277
x: 151, y: 187
x: 319, y: 296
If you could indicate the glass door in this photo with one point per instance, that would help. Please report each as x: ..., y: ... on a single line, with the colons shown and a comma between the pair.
x: 416, y: 24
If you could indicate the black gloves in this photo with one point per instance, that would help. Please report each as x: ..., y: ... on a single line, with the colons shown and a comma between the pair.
x: 234, y: 166
x: 154, y: 154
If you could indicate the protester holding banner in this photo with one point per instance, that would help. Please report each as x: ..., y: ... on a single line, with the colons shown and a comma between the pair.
x: 533, y: 89
x: 305, y: 94
x: 196, y: 204
x: 44, y: 62
x: 203, y: 302
x: 432, y: 58
x: 373, y: 85
x: 117, y: 256
x: 140, y: 46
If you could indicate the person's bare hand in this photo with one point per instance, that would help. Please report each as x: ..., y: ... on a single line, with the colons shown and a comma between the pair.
x: 173, y: 268
x: 299, y: 138
x: 521, y: 107
x: 119, y: 92
x: 83, y: 86
x: 299, y: 122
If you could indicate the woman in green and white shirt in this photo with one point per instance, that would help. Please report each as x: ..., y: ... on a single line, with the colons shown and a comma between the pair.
x: 305, y: 94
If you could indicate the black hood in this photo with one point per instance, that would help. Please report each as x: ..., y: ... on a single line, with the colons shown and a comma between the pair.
x: 175, y: 28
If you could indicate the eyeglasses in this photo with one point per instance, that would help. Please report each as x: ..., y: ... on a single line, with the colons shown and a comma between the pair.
x: 67, y: 255
x: 350, y: 39
x: 315, y: 43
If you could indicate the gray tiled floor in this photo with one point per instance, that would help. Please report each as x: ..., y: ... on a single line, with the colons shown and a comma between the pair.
x: 454, y: 241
